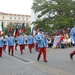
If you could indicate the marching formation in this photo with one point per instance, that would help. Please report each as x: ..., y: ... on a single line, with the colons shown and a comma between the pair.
x: 39, y: 40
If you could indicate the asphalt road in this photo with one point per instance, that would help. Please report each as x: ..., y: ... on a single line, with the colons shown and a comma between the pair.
x: 59, y: 63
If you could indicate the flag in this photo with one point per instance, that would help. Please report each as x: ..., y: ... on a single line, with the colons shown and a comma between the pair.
x: 36, y: 28
x: 1, y: 28
x: 16, y: 32
x: 23, y: 28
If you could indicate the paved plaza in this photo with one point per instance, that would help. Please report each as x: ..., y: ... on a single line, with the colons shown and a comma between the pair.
x: 59, y: 63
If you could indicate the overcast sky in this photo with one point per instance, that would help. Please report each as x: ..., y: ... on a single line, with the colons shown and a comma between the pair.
x: 16, y: 6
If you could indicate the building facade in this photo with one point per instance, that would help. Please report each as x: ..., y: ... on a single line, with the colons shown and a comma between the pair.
x: 7, y: 18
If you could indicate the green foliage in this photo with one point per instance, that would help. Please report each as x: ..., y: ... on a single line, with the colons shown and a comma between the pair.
x: 42, y: 24
x: 27, y: 30
x: 10, y: 25
x: 60, y: 13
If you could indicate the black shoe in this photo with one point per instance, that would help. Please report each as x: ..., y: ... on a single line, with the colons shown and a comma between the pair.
x: 22, y: 53
x: 71, y: 56
x: 9, y: 53
x: 38, y: 59
x: 1, y: 56
x: 12, y: 54
x: 36, y: 50
x: 4, y: 50
x: 24, y: 49
x: 45, y: 61
x: 15, y: 48
x: 30, y: 51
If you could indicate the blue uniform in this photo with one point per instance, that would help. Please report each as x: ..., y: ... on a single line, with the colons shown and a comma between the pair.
x: 30, y: 42
x: 72, y: 35
x: 5, y: 41
x: 30, y: 39
x: 41, y: 41
x: 1, y: 42
x: 42, y: 44
x: 11, y: 41
x: 4, y: 44
x: 21, y: 40
x: 45, y: 42
x: 35, y: 39
x: 1, y: 46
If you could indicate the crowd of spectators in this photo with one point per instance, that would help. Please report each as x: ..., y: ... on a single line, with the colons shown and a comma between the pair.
x: 66, y: 42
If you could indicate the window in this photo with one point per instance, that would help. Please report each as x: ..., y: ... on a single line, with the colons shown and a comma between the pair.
x: 22, y: 18
x: 26, y: 18
x: 10, y: 17
x: 18, y: 18
x: 3, y: 17
x: 14, y: 18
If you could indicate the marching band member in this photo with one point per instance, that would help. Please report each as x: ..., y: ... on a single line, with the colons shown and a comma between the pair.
x: 11, y: 42
x: 4, y: 43
x: 1, y: 45
x: 30, y: 42
x: 42, y: 44
x: 21, y: 42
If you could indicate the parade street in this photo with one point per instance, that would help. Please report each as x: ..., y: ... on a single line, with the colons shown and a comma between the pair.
x: 59, y: 63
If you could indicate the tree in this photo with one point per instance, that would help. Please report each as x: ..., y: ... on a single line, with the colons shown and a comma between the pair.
x: 42, y: 24
x: 27, y: 30
x: 60, y: 13
x: 12, y: 27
